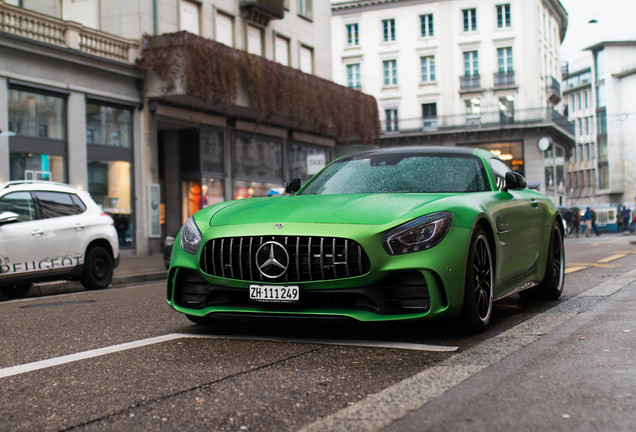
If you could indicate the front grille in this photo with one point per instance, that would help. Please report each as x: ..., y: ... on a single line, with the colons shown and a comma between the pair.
x: 398, y: 294
x: 307, y: 258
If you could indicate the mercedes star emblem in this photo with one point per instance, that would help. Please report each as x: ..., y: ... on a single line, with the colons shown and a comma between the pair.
x: 272, y: 259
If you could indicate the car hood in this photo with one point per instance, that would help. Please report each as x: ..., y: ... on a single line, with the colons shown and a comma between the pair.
x: 374, y: 209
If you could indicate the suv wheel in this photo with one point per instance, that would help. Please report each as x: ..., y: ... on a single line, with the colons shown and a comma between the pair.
x: 98, y: 269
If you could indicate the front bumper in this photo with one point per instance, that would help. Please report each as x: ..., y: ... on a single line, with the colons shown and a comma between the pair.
x: 412, y: 286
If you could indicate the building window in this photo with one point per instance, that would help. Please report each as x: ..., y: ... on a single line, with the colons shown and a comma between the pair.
x: 429, y: 116
x: 507, y: 109
x: 473, y: 111
x: 601, y: 101
x: 281, y: 50
x: 254, y: 40
x: 503, y: 16
x: 353, y: 76
x: 388, y: 30
x: 471, y: 63
x: 306, y: 59
x: 305, y: 8
x: 426, y: 25
x: 504, y: 58
x: 189, y: 16
x: 352, y: 35
x: 470, y: 19
x: 390, y: 72
x: 224, y: 29
x: 428, y: 68
x: 391, y: 115
x: 599, y: 64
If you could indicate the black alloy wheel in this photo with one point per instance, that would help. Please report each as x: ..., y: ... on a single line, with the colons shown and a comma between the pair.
x: 479, y: 285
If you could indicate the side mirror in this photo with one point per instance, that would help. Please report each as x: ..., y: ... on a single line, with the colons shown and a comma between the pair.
x: 292, y: 186
x: 8, y: 217
x: 514, y: 180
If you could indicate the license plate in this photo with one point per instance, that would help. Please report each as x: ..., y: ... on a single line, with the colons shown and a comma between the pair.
x: 275, y: 293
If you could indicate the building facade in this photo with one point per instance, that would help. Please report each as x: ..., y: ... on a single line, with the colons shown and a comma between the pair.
x: 602, y: 170
x: 87, y: 104
x: 459, y: 72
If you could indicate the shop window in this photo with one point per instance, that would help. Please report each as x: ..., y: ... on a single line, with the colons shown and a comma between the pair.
x: 305, y: 161
x: 108, y: 126
x: 258, y: 164
x: 36, y: 166
x: 109, y: 183
x: 37, y: 115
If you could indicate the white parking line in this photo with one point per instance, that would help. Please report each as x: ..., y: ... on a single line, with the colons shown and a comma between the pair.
x: 84, y: 355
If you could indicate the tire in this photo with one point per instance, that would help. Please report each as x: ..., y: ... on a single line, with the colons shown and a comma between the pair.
x: 98, y: 269
x: 479, y: 285
x: 551, y: 286
x: 15, y: 291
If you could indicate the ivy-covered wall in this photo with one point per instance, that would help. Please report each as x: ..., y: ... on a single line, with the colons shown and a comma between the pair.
x: 213, y: 73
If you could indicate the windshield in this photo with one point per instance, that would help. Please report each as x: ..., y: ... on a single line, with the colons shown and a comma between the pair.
x: 400, y: 173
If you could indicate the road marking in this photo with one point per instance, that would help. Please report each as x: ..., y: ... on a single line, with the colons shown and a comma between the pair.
x: 607, y: 266
x: 610, y: 258
x: 606, y: 242
x: 84, y: 355
x: 574, y: 269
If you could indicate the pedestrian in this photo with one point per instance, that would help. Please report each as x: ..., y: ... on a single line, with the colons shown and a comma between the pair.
x: 626, y: 216
x: 587, y: 218
x: 619, y: 220
x: 594, y: 228
x: 576, y: 220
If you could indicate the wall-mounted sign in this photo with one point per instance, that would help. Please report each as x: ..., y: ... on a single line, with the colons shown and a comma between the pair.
x: 315, y: 162
x: 154, y: 211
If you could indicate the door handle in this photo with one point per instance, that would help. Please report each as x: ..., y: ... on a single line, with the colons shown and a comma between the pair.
x: 534, y: 203
x: 37, y: 233
x: 79, y: 227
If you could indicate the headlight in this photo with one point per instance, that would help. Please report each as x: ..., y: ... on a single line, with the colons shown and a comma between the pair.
x: 419, y: 234
x: 190, y: 236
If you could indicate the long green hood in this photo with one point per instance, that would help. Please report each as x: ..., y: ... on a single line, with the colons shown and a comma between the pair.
x: 375, y: 209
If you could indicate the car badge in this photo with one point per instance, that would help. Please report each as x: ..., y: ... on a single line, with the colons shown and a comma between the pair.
x: 272, y: 259
x: 279, y: 226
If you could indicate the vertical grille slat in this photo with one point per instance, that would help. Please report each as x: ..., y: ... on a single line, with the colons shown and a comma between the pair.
x: 310, y: 258
x: 333, y: 258
x: 222, y: 258
x: 240, y: 257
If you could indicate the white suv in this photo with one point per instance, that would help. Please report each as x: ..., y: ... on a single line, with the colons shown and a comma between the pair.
x: 53, y: 231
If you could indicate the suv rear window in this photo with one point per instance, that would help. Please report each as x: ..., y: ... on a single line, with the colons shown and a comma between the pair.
x: 56, y: 204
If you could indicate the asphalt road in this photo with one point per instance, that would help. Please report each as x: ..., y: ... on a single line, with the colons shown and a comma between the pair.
x: 121, y: 359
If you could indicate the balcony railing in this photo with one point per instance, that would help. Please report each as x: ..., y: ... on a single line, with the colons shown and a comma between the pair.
x: 66, y: 34
x: 527, y: 117
x: 504, y: 79
x: 555, y: 85
x: 470, y: 82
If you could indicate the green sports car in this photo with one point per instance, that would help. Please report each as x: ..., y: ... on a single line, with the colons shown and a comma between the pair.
x: 389, y: 234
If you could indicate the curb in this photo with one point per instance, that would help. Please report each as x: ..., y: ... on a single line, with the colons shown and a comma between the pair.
x: 59, y: 287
